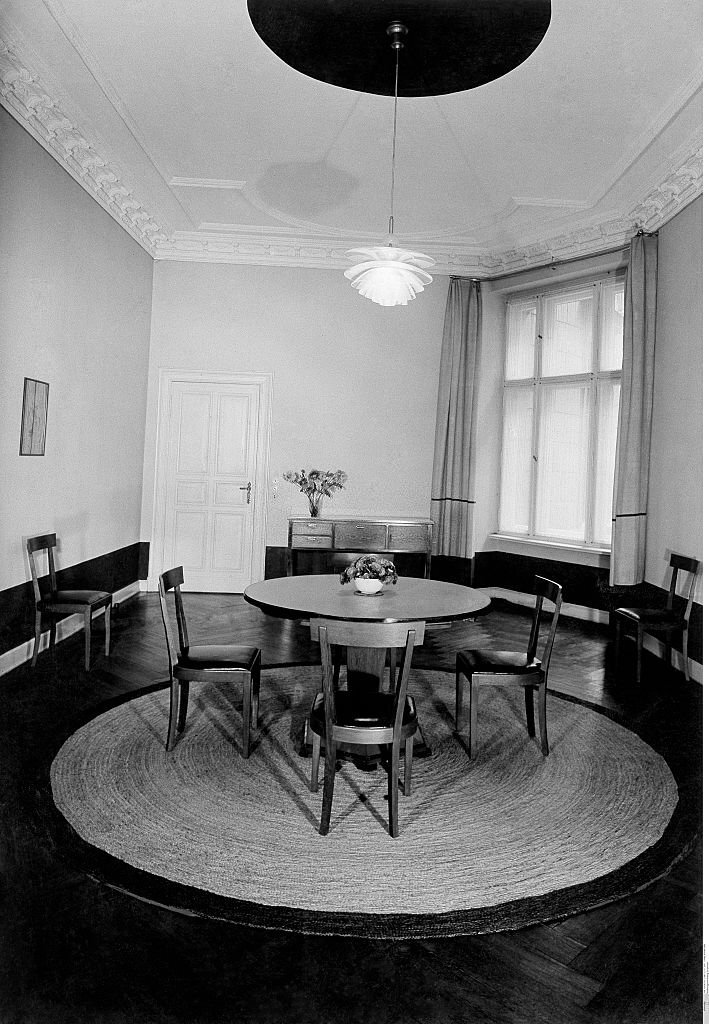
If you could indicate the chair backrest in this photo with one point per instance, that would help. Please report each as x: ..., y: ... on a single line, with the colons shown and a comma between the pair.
x: 47, y: 542
x: 349, y: 633
x: 681, y: 563
x: 168, y: 581
x: 361, y: 634
x: 545, y: 590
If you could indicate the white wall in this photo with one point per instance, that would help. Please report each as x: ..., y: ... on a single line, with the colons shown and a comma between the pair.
x: 675, y: 494
x: 75, y: 294
x: 354, y: 384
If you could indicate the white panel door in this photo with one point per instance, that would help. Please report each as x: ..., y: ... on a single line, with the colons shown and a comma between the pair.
x: 209, y: 476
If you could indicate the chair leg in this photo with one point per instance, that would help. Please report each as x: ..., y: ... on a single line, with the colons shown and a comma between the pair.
x: 393, y: 791
x: 529, y: 707
x: 87, y: 638
x: 458, y: 699
x: 474, y: 700
x: 328, y: 786
x: 315, y: 762
x: 246, y: 702
x: 685, y: 654
x: 37, y: 636
x: 639, y: 655
x: 542, y: 700
x: 174, y: 711
x: 408, y: 763
x: 618, y: 638
x: 107, y: 621
x: 256, y: 691
x: 183, y: 701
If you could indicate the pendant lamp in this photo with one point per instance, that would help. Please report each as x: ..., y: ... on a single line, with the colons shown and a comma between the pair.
x: 386, y: 274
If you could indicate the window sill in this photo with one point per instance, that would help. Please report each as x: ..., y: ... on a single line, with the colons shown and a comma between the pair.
x: 557, y: 551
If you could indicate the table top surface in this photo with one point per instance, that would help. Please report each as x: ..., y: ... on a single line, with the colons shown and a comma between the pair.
x: 410, y: 599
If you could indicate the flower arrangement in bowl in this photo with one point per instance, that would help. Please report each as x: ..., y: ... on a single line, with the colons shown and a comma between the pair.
x: 316, y: 484
x: 370, y: 573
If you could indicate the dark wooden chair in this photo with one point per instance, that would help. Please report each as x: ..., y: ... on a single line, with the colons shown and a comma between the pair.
x: 364, y: 717
x: 665, y: 623
x: 55, y: 603
x: 204, y: 663
x: 518, y: 668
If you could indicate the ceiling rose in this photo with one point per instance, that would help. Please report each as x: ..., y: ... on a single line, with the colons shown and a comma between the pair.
x: 452, y: 45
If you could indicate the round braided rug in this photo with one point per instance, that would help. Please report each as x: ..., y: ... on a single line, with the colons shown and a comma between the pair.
x: 496, y: 842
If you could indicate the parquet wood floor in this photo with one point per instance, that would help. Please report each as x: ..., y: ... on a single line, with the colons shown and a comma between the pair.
x: 76, y: 952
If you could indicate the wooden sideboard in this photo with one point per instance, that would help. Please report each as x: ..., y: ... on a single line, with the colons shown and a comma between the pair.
x: 338, y: 538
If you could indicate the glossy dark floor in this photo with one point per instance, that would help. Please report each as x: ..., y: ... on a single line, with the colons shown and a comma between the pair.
x: 74, y: 951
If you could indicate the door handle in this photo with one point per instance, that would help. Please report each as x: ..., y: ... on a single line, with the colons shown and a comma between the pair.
x: 248, y: 492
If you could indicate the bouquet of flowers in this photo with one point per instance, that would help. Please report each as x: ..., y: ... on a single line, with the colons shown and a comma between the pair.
x: 370, y: 567
x: 316, y: 484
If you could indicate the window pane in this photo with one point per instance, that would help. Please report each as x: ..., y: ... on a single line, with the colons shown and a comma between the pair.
x: 567, y: 345
x: 521, y: 331
x: 606, y: 433
x: 563, y: 461
x: 610, y: 356
x: 516, y: 460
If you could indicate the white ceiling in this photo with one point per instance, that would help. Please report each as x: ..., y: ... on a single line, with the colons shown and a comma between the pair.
x: 206, y: 146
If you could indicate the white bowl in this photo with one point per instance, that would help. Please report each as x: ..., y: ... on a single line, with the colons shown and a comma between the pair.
x: 366, y: 586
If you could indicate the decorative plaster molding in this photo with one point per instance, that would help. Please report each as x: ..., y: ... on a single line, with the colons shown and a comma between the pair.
x: 679, y: 188
x: 23, y: 95
x: 275, y: 248
x: 218, y: 183
x: 278, y: 247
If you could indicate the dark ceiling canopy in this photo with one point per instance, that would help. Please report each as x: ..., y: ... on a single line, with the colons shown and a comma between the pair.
x: 450, y: 45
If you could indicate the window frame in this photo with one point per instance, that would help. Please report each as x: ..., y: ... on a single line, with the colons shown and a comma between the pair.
x: 538, y: 383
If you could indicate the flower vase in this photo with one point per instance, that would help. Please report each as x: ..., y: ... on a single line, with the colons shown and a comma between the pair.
x: 367, y: 586
x: 315, y: 501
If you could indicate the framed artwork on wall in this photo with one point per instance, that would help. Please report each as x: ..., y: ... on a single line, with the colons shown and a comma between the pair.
x: 33, y: 431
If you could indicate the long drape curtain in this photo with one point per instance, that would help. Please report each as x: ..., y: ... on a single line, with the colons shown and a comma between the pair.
x: 452, y: 500
x: 632, y: 461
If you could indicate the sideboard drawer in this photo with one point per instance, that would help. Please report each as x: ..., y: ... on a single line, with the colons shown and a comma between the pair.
x: 312, y: 541
x: 308, y: 527
x: 361, y: 536
x: 408, y: 537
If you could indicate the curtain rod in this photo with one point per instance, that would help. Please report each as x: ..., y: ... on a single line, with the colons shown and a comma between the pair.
x: 546, y: 266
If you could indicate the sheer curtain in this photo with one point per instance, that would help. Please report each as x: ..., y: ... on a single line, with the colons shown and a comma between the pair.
x: 633, y: 447
x: 452, y: 499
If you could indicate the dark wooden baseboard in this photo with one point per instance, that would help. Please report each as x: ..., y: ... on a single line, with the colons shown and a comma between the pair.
x: 582, y: 585
x: 111, y: 571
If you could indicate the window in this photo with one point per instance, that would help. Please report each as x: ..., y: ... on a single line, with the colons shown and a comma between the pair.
x: 563, y: 355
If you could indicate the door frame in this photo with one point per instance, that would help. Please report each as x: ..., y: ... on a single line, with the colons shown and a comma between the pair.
x: 264, y: 382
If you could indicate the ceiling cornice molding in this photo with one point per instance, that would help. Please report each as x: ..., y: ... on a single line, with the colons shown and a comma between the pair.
x: 23, y: 95
x: 458, y: 256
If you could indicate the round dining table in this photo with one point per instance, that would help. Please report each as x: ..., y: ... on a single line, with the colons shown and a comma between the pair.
x: 410, y: 599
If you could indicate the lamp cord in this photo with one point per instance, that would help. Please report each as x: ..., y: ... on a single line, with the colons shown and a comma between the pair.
x: 393, y: 147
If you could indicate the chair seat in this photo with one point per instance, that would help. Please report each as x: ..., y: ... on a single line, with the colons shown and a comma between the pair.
x: 504, y: 662
x: 653, y: 617
x: 78, y: 597
x: 227, y: 657
x: 361, y: 711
